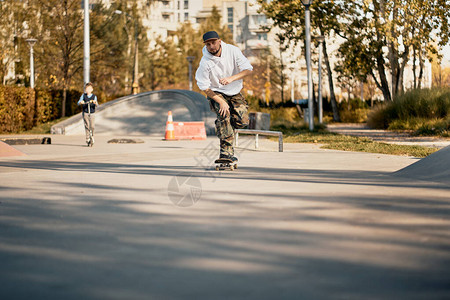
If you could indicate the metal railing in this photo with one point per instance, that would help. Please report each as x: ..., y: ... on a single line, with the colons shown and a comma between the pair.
x: 260, y: 132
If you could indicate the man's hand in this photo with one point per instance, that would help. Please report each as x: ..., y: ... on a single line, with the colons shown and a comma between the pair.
x: 224, y: 109
x: 226, y: 80
x: 240, y: 75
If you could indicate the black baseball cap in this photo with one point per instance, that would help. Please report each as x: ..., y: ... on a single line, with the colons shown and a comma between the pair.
x: 210, y: 35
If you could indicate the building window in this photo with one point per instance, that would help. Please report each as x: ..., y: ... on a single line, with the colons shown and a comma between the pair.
x: 186, y: 16
x: 262, y: 36
x: 230, y: 27
x: 230, y: 15
x: 261, y: 20
x: 186, y: 4
x: 91, y: 5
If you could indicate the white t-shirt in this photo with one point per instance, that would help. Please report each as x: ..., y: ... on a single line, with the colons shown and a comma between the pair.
x: 212, y: 68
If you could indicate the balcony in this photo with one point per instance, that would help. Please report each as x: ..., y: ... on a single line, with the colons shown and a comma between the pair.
x: 166, y: 7
x: 257, y: 22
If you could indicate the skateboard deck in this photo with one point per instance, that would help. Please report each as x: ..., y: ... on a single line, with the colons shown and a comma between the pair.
x: 225, y: 164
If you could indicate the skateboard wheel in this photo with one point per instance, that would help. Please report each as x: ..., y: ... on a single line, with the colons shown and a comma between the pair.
x: 217, y: 168
x: 231, y: 168
x: 235, y: 166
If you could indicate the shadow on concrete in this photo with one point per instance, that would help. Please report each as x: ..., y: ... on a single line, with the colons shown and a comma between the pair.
x: 97, y: 247
x: 340, y: 177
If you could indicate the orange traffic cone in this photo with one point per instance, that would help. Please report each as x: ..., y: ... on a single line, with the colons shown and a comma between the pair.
x: 169, y: 127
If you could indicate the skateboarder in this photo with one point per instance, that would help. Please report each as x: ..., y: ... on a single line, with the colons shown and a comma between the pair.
x: 89, y: 102
x: 219, y: 75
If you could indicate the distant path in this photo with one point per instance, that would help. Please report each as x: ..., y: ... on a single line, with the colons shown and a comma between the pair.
x: 361, y: 130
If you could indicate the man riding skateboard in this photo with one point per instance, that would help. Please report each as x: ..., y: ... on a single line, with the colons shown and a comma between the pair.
x: 219, y: 75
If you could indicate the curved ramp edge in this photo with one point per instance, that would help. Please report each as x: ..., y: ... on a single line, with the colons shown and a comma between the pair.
x: 435, y: 167
x: 143, y: 114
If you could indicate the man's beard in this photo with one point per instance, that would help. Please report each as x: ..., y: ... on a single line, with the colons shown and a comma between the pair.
x: 217, y: 51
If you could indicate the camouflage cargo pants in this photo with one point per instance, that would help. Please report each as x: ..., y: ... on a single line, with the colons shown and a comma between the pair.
x: 225, y: 126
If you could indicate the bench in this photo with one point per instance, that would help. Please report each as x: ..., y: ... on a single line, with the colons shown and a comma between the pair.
x: 260, y: 132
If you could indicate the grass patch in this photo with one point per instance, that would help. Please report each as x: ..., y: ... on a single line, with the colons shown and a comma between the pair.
x: 301, y: 134
x: 43, y: 128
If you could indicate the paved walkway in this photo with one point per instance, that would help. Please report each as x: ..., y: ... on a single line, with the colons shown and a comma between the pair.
x: 386, y: 136
x: 154, y: 221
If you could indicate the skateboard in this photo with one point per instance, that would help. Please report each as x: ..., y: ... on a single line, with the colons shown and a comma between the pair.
x: 225, y: 164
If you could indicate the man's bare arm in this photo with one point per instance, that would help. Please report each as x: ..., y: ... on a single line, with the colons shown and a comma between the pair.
x: 240, y: 75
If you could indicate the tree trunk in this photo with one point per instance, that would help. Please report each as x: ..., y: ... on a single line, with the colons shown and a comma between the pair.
x: 336, y: 117
x: 281, y: 74
x: 63, y: 108
x: 314, y: 99
x: 405, y: 56
x: 414, y: 67
x: 383, y: 84
x: 361, y: 91
x: 393, y: 55
x: 421, y: 65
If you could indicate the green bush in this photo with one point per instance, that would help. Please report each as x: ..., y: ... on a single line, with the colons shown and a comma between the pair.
x: 17, y: 108
x: 353, y: 111
x: 49, y: 104
x: 45, y: 107
x: 424, y: 111
x: 280, y: 114
x: 22, y: 108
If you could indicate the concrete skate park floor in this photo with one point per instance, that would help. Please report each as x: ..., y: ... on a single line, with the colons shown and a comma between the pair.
x: 308, y: 223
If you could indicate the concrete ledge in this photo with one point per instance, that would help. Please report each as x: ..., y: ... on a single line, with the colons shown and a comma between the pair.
x: 125, y: 141
x: 26, y: 141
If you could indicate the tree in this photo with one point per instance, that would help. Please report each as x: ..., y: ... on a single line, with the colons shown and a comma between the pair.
x: 113, y: 46
x: 62, y: 42
x: 166, y: 65
x: 289, y: 16
x: 380, y: 36
x: 111, y: 39
x: 17, y: 19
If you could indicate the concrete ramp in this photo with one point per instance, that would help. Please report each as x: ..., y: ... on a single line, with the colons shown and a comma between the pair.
x: 6, y: 150
x: 435, y: 167
x: 143, y: 114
